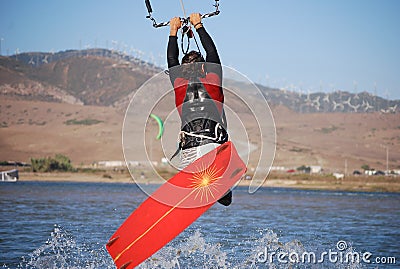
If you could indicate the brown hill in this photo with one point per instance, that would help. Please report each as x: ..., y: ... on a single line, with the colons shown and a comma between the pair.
x: 334, y: 140
x: 103, y: 77
x: 91, y: 133
x: 40, y: 129
x: 16, y: 82
x: 73, y: 103
x: 93, y: 80
x: 79, y: 78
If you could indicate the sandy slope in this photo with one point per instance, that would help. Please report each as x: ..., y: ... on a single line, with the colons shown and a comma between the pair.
x: 38, y: 129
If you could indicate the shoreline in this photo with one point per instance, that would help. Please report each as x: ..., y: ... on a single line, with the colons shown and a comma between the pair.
x: 301, y: 182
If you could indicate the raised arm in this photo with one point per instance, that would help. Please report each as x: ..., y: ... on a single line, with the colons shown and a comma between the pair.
x: 173, y: 50
x: 206, y: 40
x: 208, y: 45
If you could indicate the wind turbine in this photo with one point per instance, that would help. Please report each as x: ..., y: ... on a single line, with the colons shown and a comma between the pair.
x: 316, y: 102
x: 300, y: 91
x: 387, y: 98
x: 152, y: 59
x: 284, y: 90
x: 393, y: 108
x: 355, y: 108
x: 45, y: 59
x: 267, y: 80
x: 375, y: 102
x: 16, y: 54
x: 336, y: 105
x: 355, y: 90
x: 326, y: 98
x: 114, y: 43
x: 1, y: 41
x: 347, y: 102
x: 160, y: 59
x: 31, y: 61
x: 308, y: 99
x: 124, y: 48
x: 51, y: 55
x: 367, y: 106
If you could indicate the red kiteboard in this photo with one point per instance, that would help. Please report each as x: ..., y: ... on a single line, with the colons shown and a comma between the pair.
x: 175, y: 205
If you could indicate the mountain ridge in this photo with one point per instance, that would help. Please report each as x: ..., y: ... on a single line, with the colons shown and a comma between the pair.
x: 107, y: 78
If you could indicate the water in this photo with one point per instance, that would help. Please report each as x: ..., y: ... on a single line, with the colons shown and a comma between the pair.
x: 66, y: 225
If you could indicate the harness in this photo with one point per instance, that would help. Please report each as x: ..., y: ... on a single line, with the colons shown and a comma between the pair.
x: 201, y: 121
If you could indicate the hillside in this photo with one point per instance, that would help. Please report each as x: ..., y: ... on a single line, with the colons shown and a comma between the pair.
x: 91, y: 133
x: 105, y: 78
x: 95, y: 77
x: 74, y: 102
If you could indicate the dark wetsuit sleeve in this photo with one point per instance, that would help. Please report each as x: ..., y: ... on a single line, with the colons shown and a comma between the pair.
x: 172, y: 57
x: 211, y: 52
x: 209, y: 46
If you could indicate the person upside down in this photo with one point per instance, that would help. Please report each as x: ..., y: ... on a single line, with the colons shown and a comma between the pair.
x: 199, y: 97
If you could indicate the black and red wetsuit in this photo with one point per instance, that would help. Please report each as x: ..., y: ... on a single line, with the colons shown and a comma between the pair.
x: 199, y: 100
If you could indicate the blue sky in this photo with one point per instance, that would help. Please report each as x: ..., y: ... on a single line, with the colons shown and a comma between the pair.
x: 307, y: 46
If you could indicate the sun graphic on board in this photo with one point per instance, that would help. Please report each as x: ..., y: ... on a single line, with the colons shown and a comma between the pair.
x: 205, y: 182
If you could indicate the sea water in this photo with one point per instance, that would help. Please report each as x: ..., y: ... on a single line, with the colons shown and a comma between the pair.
x: 66, y: 225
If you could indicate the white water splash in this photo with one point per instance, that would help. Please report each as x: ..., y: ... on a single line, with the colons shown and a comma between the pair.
x: 193, y: 252
x: 63, y: 251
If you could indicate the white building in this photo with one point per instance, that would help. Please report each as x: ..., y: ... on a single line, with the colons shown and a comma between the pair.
x: 315, y: 169
x: 111, y: 163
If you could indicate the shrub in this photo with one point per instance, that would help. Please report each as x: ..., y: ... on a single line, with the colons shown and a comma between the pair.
x: 49, y: 164
x: 365, y: 167
x: 304, y: 169
x: 82, y: 122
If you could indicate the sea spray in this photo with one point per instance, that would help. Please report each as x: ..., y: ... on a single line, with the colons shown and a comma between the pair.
x: 270, y: 252
x: 62, y: 251
x: 189, y: 250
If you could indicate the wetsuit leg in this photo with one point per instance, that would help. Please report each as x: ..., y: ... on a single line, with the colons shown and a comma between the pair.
x: 226, y: 199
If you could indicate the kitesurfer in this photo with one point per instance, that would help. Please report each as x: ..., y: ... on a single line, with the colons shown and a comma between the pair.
x: 199, y: 96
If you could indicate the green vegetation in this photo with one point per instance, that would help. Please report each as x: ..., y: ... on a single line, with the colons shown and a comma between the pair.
x: 328, y: 130
x: 90, y: 170
x: 365, y: 167
x: 296, y: 149
x: 107, y: 176
x: 304, y: 169
x: 42, y: 123
x: 82, y: 122
x: 58, y: 163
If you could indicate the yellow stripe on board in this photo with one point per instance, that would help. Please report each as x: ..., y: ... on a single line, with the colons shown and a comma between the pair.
x: 154, y: 224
